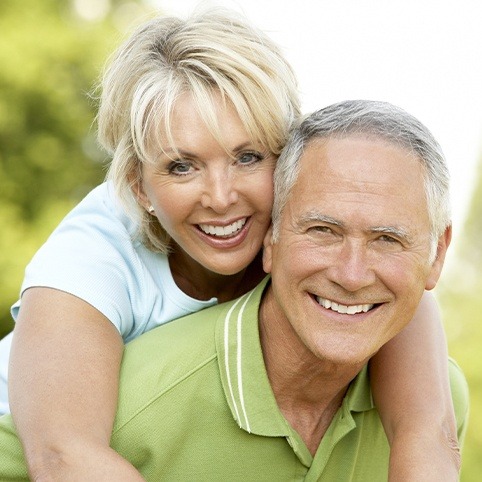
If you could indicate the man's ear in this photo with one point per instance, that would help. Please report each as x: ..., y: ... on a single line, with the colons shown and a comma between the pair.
x: 268, y: 250
x: 437, y: 265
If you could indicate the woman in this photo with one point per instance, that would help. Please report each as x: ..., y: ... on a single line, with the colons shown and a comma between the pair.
x: 194, y: 114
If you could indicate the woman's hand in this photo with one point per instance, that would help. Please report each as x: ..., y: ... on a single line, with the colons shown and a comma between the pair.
x: 410, y: 384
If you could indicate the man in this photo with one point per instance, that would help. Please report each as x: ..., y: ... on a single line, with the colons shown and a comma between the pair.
x: 274, y: 385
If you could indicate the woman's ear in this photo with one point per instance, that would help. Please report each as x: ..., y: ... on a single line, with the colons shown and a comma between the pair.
x: 140, y: 196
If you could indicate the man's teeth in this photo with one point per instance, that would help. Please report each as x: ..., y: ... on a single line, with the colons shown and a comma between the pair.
x: 223, y: 231
x: 345, y: 309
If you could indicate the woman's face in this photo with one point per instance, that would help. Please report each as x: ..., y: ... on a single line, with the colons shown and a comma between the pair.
x: 213, y: 199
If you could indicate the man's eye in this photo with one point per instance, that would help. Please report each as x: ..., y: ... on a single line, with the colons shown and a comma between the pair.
x: 322, y: 229
x: 388, y: 239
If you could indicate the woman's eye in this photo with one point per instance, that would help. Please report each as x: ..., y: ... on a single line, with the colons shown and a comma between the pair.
x: 250, y: 158
x: 179, y: 168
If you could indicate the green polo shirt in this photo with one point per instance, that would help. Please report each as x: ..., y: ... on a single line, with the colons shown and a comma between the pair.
x: 196, y: 404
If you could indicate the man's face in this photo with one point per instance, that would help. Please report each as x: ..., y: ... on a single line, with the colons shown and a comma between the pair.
x: 352, y: 258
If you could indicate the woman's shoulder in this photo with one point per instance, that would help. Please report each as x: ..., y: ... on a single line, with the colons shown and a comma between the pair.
x: 99, y: 222
x: 102, y: 203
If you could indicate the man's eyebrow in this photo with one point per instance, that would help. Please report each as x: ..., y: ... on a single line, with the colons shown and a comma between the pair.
x: 313, y: 216
x: 399, y: 232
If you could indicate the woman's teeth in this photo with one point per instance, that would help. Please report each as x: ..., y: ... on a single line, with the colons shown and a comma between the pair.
x: 344, y: 309
x: 223, y: 231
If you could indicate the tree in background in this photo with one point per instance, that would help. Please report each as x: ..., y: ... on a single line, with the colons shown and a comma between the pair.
x: 51, y: 53
x: 461, y: 302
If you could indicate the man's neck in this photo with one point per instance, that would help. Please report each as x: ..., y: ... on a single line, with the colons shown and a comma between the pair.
x: 308, y: 390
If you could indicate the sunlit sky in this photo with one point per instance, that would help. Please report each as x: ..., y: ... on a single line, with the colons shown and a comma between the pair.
x: 423, y: 55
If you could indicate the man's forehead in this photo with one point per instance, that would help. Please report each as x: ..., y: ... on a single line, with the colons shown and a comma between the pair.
x: 359, y: 160
x: 366, y: 176
x: 338, y: 141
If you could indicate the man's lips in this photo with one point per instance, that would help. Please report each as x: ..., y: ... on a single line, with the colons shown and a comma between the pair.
x: 344, y: 309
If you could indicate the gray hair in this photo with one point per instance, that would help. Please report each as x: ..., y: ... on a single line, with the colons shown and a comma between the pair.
x: 212, y: 50
x: 375, y: 119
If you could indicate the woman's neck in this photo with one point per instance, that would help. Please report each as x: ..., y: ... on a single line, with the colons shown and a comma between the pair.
x: 202, y: 284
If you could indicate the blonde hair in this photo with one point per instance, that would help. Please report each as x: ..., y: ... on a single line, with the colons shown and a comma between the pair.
x: 213, y: 50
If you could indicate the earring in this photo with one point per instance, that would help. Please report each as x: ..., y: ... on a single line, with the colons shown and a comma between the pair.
x: 150, y: 209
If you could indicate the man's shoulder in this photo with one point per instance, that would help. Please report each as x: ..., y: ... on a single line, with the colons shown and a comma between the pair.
x: 167, y: 356
x: 176, y: 339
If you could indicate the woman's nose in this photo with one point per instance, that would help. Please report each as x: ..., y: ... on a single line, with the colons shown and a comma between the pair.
x: 219, y: 193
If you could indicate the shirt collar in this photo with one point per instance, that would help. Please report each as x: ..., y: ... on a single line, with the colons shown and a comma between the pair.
x: 243, y: 374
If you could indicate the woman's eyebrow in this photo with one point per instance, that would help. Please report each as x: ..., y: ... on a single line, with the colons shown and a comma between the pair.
x: 169, y: 151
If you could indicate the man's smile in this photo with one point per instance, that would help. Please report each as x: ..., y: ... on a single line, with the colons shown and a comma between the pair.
x: 344, y: 309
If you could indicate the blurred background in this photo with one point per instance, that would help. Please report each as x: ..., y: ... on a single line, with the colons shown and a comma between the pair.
x: 423, y: 56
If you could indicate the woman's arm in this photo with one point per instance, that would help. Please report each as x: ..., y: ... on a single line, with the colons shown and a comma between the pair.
x: 63, y: 386
x: 411, y: 389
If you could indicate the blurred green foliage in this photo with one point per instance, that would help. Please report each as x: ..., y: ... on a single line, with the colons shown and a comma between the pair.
x: 459, y: 296
x: 50, y: 58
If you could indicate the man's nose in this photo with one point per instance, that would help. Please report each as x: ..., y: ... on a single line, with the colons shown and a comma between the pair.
x: 219, y: 192
x: 351, y: 267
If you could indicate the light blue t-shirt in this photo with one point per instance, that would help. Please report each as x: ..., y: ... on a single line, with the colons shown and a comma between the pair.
x: 94, y: 255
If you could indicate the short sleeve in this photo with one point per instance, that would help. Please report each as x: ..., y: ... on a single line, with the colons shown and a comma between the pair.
x: 460, y: 397
x: 91, y: 255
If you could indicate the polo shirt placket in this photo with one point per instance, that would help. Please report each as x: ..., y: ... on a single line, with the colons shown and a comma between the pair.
x: 251, y: 399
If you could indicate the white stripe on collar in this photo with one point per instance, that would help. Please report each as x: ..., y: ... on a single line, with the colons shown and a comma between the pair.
x: 238, y: 360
